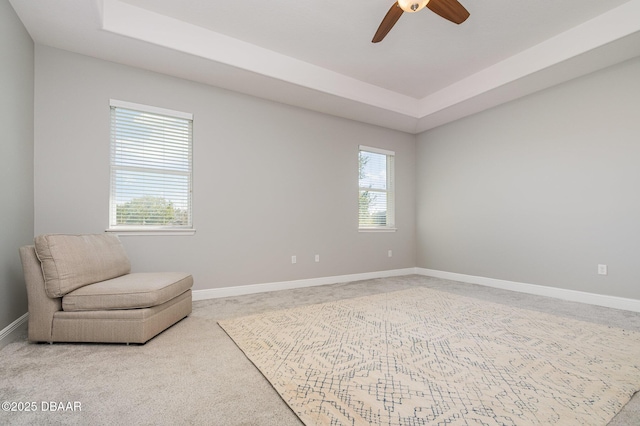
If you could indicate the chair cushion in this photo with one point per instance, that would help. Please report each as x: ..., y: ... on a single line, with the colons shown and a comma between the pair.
x: 131, y: 291
x: 71, y: 261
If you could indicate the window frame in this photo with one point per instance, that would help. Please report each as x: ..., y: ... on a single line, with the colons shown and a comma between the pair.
x: 390, y: 191
x: 149, y: 229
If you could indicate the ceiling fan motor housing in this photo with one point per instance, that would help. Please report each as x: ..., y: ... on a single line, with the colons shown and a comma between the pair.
x: 412, y: 5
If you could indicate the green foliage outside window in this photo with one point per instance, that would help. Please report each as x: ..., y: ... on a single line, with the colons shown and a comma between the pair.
x: 150, y: 210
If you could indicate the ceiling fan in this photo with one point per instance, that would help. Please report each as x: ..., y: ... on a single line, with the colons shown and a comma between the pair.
x: 448, y: 9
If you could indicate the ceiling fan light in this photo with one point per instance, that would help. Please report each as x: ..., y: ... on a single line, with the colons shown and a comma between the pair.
x: 411, y: 6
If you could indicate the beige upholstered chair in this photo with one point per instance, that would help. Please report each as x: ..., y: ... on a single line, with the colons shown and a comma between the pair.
x: 80, y: 289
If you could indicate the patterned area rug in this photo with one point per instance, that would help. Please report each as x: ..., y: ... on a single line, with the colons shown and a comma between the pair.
x: 424, y: 357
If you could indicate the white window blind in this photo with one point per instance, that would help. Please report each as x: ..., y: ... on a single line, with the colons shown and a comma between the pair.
x: 151, y: 168
x: 376, y: 198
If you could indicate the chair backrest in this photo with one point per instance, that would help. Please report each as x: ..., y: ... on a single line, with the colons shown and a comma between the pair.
x: 73, y: 261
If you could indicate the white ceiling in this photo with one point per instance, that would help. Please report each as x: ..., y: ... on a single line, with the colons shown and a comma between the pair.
x: 319, y: 55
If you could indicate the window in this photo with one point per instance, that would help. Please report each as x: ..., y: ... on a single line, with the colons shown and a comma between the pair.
x: 151, y: 164
x: 376, y: 195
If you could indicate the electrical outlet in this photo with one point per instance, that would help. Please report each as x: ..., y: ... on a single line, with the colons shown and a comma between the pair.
x: 602, y: 269
x: 293, y: 259
x: 390, y: 253
x: 317, y: 258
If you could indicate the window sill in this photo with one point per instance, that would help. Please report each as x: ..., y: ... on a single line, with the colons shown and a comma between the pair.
x: 153, y: 231
x: 377, y: 229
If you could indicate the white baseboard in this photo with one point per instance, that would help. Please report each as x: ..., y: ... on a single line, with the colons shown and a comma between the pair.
x: 539, y: 290
x: 214, y: 293
x: 7, y: 334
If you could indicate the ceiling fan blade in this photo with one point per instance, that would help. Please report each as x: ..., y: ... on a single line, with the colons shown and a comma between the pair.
x: 388, y: 22
x: 449, y: 9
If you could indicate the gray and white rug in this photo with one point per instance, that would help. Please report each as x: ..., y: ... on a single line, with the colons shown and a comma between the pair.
x: 423, y: 357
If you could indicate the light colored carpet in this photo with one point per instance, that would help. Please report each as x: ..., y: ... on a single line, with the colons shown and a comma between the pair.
x: 193, y: 373
x: 420, y: 357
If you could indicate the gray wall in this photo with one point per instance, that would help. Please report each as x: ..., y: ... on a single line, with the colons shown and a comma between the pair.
x: 539, y: 190
x: 16, y: 160
x: 270, y: 181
